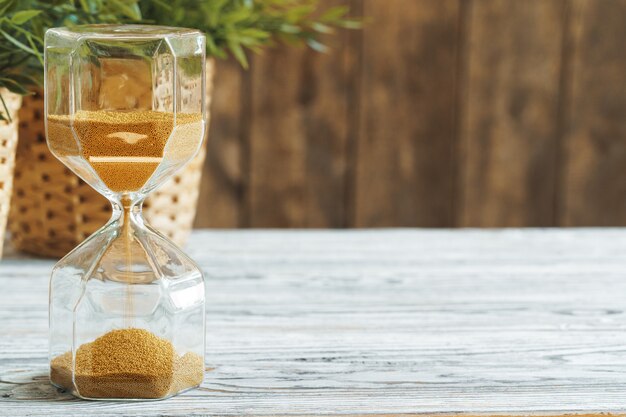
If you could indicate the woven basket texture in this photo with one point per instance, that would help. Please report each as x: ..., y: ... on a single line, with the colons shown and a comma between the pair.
x: 53, y: 210
x: 8, y: 145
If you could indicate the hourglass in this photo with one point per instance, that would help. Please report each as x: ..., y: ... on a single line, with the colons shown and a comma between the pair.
x: 125, y: 109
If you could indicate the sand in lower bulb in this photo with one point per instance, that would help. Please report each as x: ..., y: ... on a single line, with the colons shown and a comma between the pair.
x: 127, y: 363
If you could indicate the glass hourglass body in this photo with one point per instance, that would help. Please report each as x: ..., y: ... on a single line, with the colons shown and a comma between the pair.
x: 125, y: 109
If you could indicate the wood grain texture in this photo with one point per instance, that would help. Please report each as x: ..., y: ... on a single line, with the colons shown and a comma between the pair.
x: 510, y: 108
x: 595, y: 139
x: 220, y: 202
x: 298, y: 136
x: 405, y: 167
x: 372, y: 322
x: 438, y: 113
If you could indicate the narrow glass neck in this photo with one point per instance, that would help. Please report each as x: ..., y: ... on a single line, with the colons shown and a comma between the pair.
x: 128, y: 213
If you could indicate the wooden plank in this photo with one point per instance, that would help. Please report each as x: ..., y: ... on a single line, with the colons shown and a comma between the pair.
x: 595, y: 131
x: 220, y: 201
x: 298, y: 136
x: 405, y: 167
x: 355, y: 64
x: 510, y: 112
x: 328, y: 323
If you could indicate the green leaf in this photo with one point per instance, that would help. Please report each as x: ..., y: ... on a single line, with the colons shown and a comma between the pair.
x: 321, y: 28
x: 163, y: 4
x: 254, y: 33
x: 6, y: 111
x: 34, y: 47
x: 235, y: 16
x: 317, y: 46
x: 5, y: 5
x: 352, y: 23
x: 238, y: 53
x: 334, y: 13
x: 129, y: 10
x: 24, y: 16
x: 23, y: 79
x: 288, y: 28
x: 18, y: 43
x: 210, y: 43
x: 13, y: 86
x: 87, y: 6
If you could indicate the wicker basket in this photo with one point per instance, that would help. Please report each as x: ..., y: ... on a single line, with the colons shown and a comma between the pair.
x: 53, y: 210
x: 8, y: 144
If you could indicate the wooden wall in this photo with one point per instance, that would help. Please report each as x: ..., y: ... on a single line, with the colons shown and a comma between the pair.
x: 441, y: 113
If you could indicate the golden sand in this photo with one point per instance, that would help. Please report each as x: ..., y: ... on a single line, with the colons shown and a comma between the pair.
x: 128, y: 363
x: 124, y: 148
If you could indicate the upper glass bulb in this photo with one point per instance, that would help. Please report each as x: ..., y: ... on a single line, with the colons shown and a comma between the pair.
x: 125, y: 106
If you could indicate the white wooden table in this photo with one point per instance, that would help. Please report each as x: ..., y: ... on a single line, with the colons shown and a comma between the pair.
x: 372, y: 322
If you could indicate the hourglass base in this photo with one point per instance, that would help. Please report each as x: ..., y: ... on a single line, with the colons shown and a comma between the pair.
x: 69, y: 387
x: 126, y: 315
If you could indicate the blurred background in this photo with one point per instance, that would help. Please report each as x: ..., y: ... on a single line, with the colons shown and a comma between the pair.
x: 437, y: 113
x: 440, y: 113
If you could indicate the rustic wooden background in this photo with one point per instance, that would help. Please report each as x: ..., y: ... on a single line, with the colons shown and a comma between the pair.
x: 441, y: 113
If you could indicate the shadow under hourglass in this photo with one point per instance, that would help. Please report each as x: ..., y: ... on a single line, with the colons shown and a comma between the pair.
x: 29, y: 385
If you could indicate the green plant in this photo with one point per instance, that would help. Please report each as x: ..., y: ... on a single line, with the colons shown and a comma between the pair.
x: 231, y: 26
x: 22, y: 26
